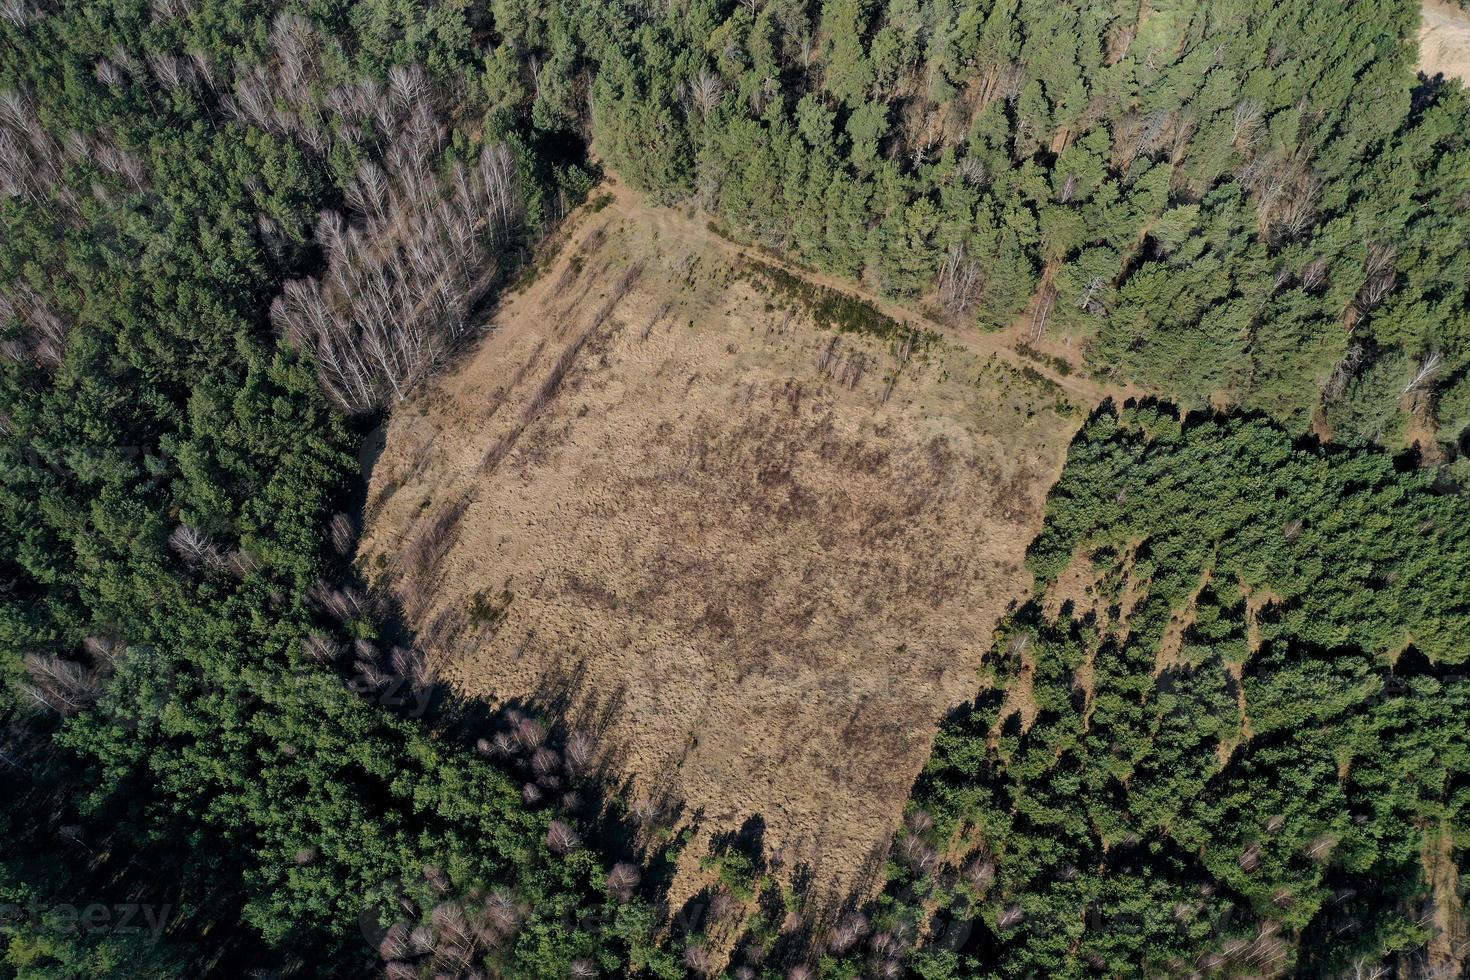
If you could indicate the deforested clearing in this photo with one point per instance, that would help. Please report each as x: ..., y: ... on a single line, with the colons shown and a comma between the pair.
x: 756, y: 557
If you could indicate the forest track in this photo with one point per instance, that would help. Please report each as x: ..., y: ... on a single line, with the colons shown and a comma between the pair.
x: 1084, y: 389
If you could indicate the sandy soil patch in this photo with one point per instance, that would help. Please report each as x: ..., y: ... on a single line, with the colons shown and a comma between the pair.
x: 662, y: 502
x: 1444, y: 40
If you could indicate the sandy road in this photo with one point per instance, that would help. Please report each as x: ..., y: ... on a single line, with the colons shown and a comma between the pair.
x: 1444, y: 40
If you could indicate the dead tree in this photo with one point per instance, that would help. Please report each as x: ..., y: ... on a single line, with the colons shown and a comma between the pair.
x: 1244, y: 131
x: 1380, y: 276
x: 1041, y: 315
x: 1089, y: 302
x: 404, y: 273
x: 705, y: 92
x: 61, y: 685
x: 1428, y: 368
x: 195, y: 548
x: 959, y: 281
x: 561, y: 838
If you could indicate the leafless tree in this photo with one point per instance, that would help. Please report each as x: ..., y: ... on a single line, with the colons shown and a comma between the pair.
x: 1428, y: 368
x: 1380, y: 276
x: 454, y: 940
x: 1314, y: 275
x: 1364, y: 969
x: 980, y: 872
x: 167, y: 10
x: 1069, y: 188
x: 1321, y: 847
x: 408, y: 663
x: 622, y: 880
x: 168, y: 70
x: 241, y: 562
x: 698, y: 960
x: 62, y: 685
x: 503, y: 744
x: 43, y: 333
x: 30, y: 159
x: 972, y: 171
x: 545, y: 762
x: 17, y: 13
x: 1245, y: 122
x: 1179, y: 128
x: 195, y: 548
x: 529, y: 734
x: 959, y: 281
x: 345, y: 603
x: 343, y: 533
x: 645, y: 812
x: 400, y: 283
x: 579, y: 752
x: 421, y: 940
x: 500, y: 913
x: 705, y: 92
x: 1119, y: 40
x: 561, y: 838
x: 394, y: 944
x: 1135, y: 136
x: 848, y: 932
x: 914, y: 852
x: 721, y: 904
x: 1089, y: 301
x: 322, y: 649
x: 919, y: 821
x: 104, y: 651
x: 1284, y: 188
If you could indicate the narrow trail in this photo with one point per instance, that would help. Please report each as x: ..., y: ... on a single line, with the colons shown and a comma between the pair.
x: 628, y: 203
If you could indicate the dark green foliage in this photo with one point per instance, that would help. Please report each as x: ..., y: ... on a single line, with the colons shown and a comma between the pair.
x: 1224, y: 200
x: 1238, y: 747
x: 1246, y: 201
x: 170, y: 471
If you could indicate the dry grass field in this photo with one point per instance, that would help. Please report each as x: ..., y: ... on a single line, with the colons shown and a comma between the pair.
x: 758, y: 560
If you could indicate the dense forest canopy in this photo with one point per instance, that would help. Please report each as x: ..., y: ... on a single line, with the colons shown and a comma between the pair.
x: 236, y: 233
x: 1243, y: 202
x: 1233, y: 743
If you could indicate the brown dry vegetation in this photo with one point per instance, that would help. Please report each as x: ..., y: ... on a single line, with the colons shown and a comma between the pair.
x: 665, y: 504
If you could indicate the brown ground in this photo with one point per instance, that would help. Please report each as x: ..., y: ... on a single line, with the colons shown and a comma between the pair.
x: 760, y: 587
x: 1444, y: 40
x: 1449, y: 946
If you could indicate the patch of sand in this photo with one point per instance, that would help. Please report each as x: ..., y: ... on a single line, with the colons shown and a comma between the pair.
x: 664, y: 504
x: 1444, y: 40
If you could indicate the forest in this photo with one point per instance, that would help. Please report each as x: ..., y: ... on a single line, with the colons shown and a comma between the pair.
x: 238, y: 235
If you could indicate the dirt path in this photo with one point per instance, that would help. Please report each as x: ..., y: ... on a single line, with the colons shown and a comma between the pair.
x: 1083, y: 389
x: 1444, y: 40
